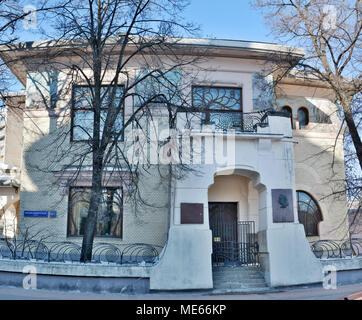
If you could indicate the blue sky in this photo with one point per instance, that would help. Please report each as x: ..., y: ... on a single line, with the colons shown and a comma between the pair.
x: 229, y: 19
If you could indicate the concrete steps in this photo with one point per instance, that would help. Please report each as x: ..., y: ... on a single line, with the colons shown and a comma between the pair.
x: 238, y: 278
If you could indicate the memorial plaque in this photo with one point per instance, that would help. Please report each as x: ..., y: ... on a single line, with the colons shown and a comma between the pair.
x: 192, y: 213
x: 282, y: 205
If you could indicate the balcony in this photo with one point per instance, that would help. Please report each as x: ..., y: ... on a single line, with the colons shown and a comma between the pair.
x: 238, y: 121
x: 266, y: 121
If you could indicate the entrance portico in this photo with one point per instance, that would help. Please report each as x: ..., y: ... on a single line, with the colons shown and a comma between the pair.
x: 233, y: 217
x: 262, y: 162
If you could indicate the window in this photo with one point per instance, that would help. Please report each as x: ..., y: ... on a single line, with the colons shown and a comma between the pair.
x: 303, y: 117
x: 110, y: 214
x: 289, y: 112
x: 83, y: 112
x: 221, y: 106
x: 309, y: 213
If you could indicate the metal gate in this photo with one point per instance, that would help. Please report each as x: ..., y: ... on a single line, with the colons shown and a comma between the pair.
x: 244, y: 250
x: 234, y: 243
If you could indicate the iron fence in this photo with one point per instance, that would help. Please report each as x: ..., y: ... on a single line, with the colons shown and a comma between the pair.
x: 238, y: 121
x: 69, y: 252
x: 329, y: 249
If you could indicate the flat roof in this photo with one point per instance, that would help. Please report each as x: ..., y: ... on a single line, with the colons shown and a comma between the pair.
x: 14, y: 55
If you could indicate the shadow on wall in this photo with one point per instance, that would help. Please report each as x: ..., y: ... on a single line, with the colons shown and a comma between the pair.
x: 355, y: 223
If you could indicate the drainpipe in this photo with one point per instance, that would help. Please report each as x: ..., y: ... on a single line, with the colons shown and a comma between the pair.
x: 168, y: 201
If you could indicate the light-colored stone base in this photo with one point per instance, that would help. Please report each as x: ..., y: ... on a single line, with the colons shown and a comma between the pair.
x: 290, y: 258
x: 186, y: 261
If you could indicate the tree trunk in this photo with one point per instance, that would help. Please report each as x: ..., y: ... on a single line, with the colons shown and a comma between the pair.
x: 97, y: 161
x: 91, y: 222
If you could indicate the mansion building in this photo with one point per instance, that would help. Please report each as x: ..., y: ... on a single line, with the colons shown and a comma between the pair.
x: 256, y: 191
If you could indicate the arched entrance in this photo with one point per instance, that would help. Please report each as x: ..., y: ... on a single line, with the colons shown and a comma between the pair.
x: 233, y: 218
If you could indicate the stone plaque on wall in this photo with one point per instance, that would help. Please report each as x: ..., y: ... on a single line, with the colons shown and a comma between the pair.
x: 282, y: 205
x: 192, y: 213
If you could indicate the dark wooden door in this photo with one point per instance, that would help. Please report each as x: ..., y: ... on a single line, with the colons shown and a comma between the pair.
x: 223, y: 224
x: 223, y: 220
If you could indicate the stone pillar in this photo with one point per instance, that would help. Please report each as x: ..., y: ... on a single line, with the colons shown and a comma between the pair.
x: 185, y: 263
x: 285, y: 253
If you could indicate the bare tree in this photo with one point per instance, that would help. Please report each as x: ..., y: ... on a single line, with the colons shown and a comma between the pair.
x: 106, y: 40
x: 330, y: 33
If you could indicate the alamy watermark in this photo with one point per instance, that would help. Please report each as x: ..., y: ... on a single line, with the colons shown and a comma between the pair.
x: 30, y: 280
x: 171, y: 146
x: 330, y: 17
x: 30, y: 20
x: 330, y: 277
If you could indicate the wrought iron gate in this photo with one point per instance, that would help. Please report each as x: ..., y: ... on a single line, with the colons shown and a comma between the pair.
x: 244, y: 251
x: 234, y: 242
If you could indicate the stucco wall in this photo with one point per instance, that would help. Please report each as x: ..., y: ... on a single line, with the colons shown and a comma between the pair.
x: 238, y: 189
x: 42, y: 191
x: 274, y: 158
x: 316, y: 148
x: 355, y: 221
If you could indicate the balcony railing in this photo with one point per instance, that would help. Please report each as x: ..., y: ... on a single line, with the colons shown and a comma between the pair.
x: 238, y: 121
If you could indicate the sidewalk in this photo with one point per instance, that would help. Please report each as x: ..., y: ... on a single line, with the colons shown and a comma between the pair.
x: 297, y: 293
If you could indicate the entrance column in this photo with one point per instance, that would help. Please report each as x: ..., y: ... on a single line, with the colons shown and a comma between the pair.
x: 185, y: 263
x: 285, y: 254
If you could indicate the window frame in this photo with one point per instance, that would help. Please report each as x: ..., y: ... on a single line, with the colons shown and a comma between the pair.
x: 74, y: 110
x: 286, y: 107
x: 320, y: 217
x: 307, y: 117
x: 207, y: 111
x: 70, y: 210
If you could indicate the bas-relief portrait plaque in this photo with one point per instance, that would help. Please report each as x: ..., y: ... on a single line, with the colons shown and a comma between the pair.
x: 282, y: 205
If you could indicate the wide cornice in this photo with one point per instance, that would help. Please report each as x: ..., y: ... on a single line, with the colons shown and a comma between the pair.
x: 16, y: 55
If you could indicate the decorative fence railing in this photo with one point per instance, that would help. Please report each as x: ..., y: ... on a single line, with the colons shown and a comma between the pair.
x: 329, y: 249
x: 235, y: 253
x: 69, y: 252
x: 238, y: 121
x: 241, y: 246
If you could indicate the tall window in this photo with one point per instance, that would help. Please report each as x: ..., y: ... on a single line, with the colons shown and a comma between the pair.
x: 309, y: 213
x: 83, y: 112
x: 288, y: 110
x: 110, y: 212
x: 220, y: 106
x: 303, y: 117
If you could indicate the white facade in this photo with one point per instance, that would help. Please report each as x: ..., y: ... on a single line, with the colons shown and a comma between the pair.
x: 273, y: 157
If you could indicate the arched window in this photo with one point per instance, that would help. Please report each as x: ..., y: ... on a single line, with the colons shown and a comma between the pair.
x: 303, y: 117
x: 289, y: 112
x: 309, y: 213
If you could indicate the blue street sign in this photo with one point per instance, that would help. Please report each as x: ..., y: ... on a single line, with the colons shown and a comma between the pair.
x: 35, y: 214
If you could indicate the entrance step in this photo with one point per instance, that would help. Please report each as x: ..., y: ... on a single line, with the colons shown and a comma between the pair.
x: 238, y: 278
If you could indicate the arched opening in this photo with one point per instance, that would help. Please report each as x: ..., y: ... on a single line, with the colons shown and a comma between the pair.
x: 288, y: 110
x: 309, y: 213
x: 303, y: 117
x: 233, y: 216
